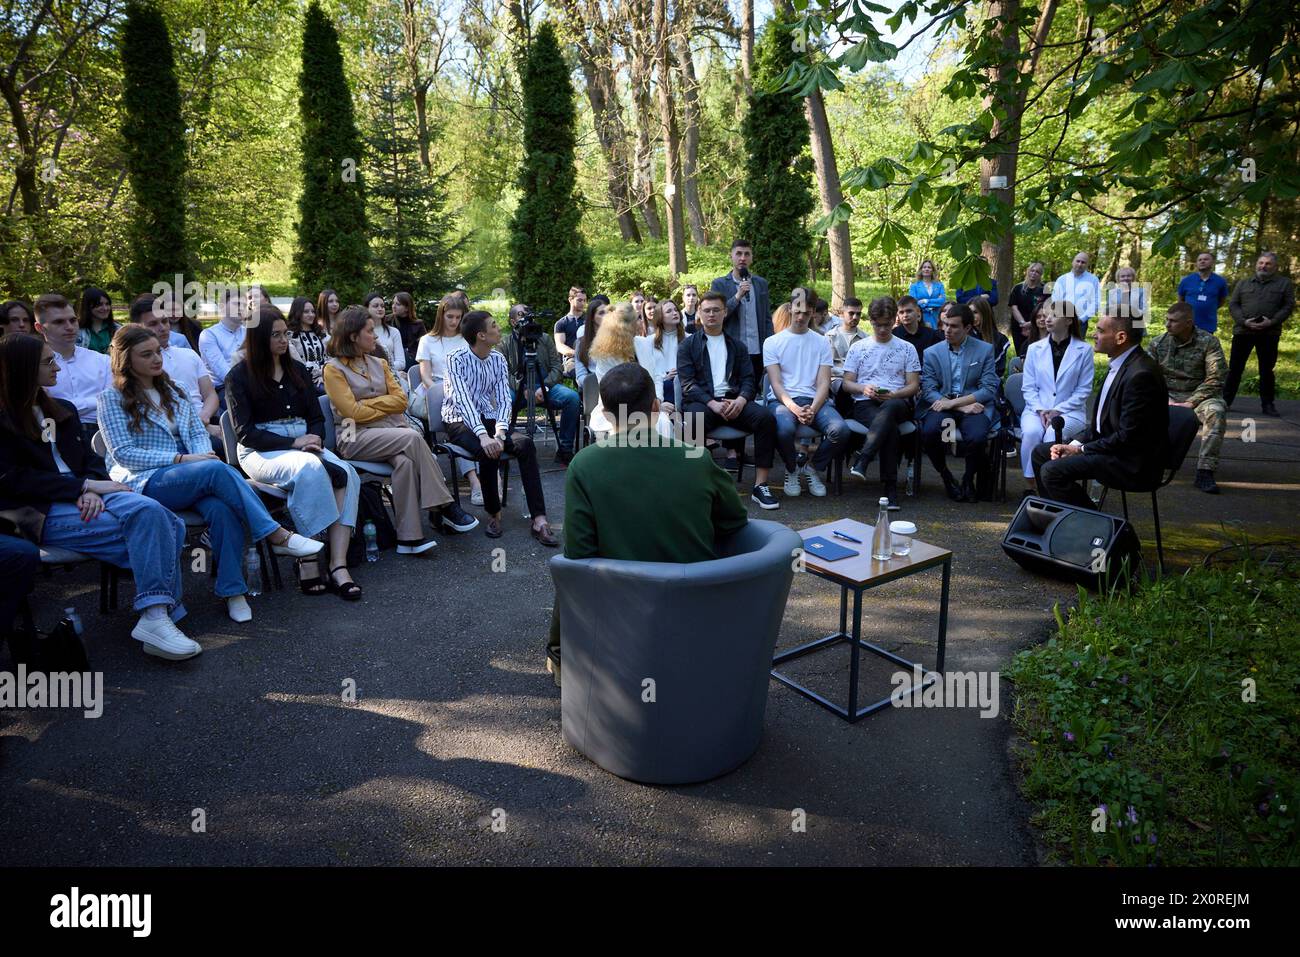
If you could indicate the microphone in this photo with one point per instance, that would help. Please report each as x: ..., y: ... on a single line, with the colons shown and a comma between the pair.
x: 744, y: 275
x: 1058, y: 426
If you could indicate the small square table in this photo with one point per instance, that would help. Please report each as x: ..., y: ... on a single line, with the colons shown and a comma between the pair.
x: 858, y: 574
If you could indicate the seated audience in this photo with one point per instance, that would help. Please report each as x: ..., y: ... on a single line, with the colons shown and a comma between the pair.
x: 387, y: 337
x: 183, y: 365
x: 1193, y: 365
x: 1056, y: 381
x: 408, y: 325
x: 185, y: 332
x: 958, y: 387
x: 645, y: 317
x: 607, y: 511
x: 55, y: 492
x: 1127, y: 440
x: 437, y: 345
x: 556, y: 395
x: 718, y: 385
x: 666, y: 334
x: 219, y: 344
x: 909, y: 327
x: 83, y: 374
x: 986, y: 328
x: 566, y: 327
x: 586, y: 336
x: 95, y: 319
x: 618, y: 342
x: 16, y: 316
x: 882, y: 374
x: 328, y: 307
x: 842, y: 338
x: 690, y: 302
x: 306, y: 345
x: 477, y: 416
x: 369, y: 414
x: 280, y: 428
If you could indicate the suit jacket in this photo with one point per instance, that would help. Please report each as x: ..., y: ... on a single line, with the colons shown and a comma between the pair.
x: 1066, y: 389
x: 134, y: 456
x: 1135, y: 421
x: 696, y: 372
x: 980, y: 377
x: 30, y: 482
x: 727, y: 285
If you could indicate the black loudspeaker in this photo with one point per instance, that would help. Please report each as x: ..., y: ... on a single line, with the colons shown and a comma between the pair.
x: 1078, y: 544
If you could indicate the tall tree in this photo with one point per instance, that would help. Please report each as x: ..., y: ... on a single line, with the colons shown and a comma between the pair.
x: 690, y: 87
x: 831, y: 195
x: 332, y: 235
x: 153, y: 138
x: 673, y: 192
x: 776, y: 135
x: 547, y: 250
x: 637, y: 40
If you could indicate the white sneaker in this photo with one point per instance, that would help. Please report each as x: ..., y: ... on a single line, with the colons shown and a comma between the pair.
x: 298, y: 547
x: 417, y: 548
x: 163, y: 639
x: 791, y: 486
x: 237, y: 608
x: 815, y: 484
x: 476, y: 497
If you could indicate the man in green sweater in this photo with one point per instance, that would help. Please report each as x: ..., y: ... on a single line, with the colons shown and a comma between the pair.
x: 638, y: 496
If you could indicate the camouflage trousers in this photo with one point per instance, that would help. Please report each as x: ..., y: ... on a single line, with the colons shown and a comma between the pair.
x: 1214, y: 417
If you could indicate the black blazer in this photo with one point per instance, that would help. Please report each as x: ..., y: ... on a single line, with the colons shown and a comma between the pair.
x: 286, y: 401
x: 696, y: 373
x: 1135, y: 423
x: 30, y: 482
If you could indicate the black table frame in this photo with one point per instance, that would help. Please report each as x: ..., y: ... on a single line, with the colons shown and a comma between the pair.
x: 853, y: 713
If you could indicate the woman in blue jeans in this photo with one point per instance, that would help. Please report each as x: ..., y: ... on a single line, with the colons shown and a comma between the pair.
x: 157, y: 446
x: 55, y: 492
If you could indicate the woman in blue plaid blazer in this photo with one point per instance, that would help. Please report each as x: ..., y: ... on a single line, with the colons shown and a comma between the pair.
x: 157, y: 445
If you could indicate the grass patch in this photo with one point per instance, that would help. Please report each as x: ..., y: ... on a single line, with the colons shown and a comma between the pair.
x: 1140, y: 745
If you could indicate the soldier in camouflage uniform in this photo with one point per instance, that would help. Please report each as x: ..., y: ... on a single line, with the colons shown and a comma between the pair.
x: 1193, y: 364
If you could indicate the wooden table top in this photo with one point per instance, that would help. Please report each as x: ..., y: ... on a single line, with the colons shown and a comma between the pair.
x: 862, y: 569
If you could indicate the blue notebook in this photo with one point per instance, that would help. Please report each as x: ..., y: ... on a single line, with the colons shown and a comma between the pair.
x: 827, y: 550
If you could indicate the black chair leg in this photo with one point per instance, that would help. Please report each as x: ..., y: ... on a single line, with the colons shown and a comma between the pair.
x: 505, y: 482
x: 1123, y: 497
x: 1160, y: 548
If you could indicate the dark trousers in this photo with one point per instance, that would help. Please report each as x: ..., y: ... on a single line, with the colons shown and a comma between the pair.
x: 1061, y: 480
x: 754, y: 418
x: 972, y: 435
x: 88, y: 432
x: 19, y: 562
x: 882, y: 420
x: 1264, y: 343
x: 520, y: 447
x: 757, y: 360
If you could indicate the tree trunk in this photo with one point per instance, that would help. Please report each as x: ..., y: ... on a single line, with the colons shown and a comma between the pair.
x: 747, y: 44
x: 419, y: 84
x: 691, y: 129
x: 643, y: 116
x: 828, y: 187
x: 673, y: 194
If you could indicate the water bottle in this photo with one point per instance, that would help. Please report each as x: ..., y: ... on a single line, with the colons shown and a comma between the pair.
x: 253, y: 572
x: 910, y: 486
x: 72, y: 618
x: 372, y: 541
x: 882, y: 540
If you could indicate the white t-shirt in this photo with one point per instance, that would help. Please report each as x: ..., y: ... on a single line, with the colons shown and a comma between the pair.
x: 718, y: 363
x: 156, y: 399
x: 800, y: 356
x: 882, y: 364
x: 435, y: 350
x: 185, y: 368
x: 81, y: 379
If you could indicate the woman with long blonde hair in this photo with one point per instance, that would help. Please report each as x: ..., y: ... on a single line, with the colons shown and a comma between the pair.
x: 617, y: 342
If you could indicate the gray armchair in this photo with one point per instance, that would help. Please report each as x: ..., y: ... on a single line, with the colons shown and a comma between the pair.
x: 704, y: 633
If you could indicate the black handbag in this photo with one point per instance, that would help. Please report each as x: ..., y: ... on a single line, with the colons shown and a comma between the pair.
x: 60, y: 650
x: 370, y: 507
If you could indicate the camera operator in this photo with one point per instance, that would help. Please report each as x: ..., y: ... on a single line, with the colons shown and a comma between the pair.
x: 526, y: 336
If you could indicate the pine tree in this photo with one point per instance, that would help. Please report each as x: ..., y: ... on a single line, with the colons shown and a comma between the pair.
x: 777, y: 176
x: 333, y: 249
x: 547, y: 251
x: 153, y: 135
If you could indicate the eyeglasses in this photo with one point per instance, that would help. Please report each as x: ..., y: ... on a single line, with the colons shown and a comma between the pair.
x: 48, y: 362
x: 282, y: 336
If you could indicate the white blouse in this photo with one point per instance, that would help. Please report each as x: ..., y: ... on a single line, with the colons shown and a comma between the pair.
x: 436, y: 350
x: 391, y: 340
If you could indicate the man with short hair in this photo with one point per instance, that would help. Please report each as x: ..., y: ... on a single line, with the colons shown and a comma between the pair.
x: 822, y: 321
x: 798, y: 363
x: 607, y: 511
x: 1205, y: 290
x: 882, y: 374
x: 220, y: 344
x: 749, y: 308
x: 846, y: 332
x: 566, y: 327
x: 1081, y: 288
x: 718, y: 384
x: 183, y: 365
x: 909, y: 327
x: 959, y: 383
x: 1192, y: 362
x: 1260, y: 304
x: 556, y: 396
x: 83, y: 373
x: 1127, y: 441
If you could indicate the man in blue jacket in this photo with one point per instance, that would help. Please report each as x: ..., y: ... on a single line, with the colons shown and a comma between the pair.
x: 749, y: 305
x: 958, y: 387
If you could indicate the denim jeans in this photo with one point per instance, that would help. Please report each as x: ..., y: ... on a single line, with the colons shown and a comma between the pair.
x: 827, y: 421
x: 218, y: 493
x: 20, y: 560
x: 134, y: 532
x: 562, y: 399
x: 303, y: 476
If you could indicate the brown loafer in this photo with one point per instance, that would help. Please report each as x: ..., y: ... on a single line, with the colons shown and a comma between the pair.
x: 544, y: 536
x: 492, y: 528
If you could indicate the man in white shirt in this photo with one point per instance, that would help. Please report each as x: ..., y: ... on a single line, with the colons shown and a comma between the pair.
x: 219, y: 345
x: 83, y: 374
x: 1080, y: 287
x: 882, y: 374
x: 798, y: 363
x: 841, y: 339
x: 182, y: 364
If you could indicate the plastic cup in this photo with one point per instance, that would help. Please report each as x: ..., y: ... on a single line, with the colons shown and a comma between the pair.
x: 902, y: 533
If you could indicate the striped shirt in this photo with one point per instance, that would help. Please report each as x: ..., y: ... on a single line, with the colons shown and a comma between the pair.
x: 478, y: 389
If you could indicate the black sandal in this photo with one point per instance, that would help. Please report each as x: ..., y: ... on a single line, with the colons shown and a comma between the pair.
x: 348, y: 591
x: 307, y: 571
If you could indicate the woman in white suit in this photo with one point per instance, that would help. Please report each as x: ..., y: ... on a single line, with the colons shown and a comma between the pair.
x: 1057, y: 381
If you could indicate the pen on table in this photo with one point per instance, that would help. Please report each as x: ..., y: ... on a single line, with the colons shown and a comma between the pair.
x: 847, y: 538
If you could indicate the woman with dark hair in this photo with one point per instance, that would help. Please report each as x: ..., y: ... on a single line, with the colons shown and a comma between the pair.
x: 16, y: 317
x: 328, y: 306
x: 433, y: 351
x: 986, y: 328
x: 280, y: 427
x: 364, y: 392
x: 665, y: 335
x: 305, y: 344
x: 586, y: 336
x: 409, y: 326
x: 386, y: 334
x: 56, y: 492
x: 185, y: 331
x: 95, y: 317
x: 158, y: 447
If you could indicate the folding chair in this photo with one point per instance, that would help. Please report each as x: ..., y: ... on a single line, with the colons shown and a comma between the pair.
x: 377, y: 472
x: 442, y: 445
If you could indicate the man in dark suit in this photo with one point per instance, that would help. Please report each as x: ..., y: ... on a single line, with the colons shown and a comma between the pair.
x: 748, y: 304
x: 1127, y: 441
x: 718, y: 387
